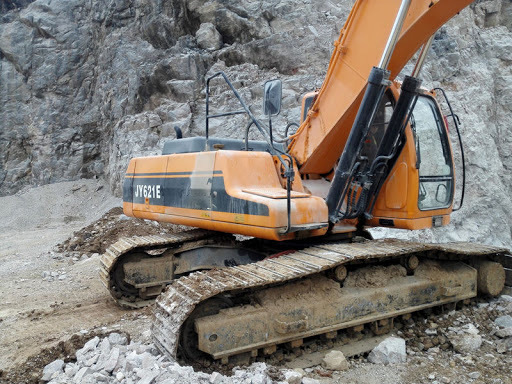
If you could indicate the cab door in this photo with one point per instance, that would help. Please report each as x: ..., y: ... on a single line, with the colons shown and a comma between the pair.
x: 419, y: 190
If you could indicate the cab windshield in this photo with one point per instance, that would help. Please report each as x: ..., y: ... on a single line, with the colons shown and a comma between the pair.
x: 434, y: 160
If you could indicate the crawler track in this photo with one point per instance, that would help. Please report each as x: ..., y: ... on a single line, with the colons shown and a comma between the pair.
x: 179, y: 300
x: 126, y: 246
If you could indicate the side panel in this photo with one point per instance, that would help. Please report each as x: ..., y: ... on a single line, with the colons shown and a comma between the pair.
x: 229, y: 191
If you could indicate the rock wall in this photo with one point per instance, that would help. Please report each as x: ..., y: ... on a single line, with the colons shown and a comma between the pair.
x: 86, y: 85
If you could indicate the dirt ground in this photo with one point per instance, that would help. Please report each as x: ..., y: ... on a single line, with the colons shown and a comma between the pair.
x: 52, y: 299
x: 49, y: 296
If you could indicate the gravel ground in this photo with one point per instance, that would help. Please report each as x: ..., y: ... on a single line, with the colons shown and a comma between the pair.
x: 53, y: 305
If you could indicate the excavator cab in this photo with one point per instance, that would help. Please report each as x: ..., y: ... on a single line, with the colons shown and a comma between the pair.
x: 419, y: 190
x: 418, y: 179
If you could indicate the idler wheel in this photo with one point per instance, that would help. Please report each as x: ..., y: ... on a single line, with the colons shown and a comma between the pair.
x: 490, y: 278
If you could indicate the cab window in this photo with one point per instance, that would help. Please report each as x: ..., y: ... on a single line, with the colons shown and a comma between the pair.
x: 433, y: 154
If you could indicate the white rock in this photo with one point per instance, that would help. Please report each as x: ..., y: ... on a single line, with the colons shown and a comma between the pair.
x: 208, y: 37
x: 504, y: 333
x: 504, y: 321
x: 308, y: 380
x: 104, y: 352
x: 474, y: 375
x: 147, y: 377
x: 292, y: 377
x: 501, y: 347
x: 91, y: 344
x: 335, y: 361
x: 133, y: 361
x: 70, y: 370
x: 81, y: 373
x: 470, y: 329
x: 466, y: 343
x: 93, y: 360
x: 433, y: 350
x: 216, y: 378
x: 50, y: 369
x: 260, y: 378
x: 390, y: 351
x: 148, y: 360
x: 117, y: 339
x: 111, y: 362
x: 99, y: 377
x: 104, y: 346
x: 490, y: 359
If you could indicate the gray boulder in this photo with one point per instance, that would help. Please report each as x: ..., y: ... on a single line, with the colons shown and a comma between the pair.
x: 335, y: 361
x: 52, y: 368
x: 390, y: 351
x: 466, y: 343
x: 504, y: 321
x: 208, y: 37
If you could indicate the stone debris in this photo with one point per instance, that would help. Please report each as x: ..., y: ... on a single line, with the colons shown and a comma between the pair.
x: 293, y: 377
x: 390, y: 351
x: 466, y: 343
x: 208, y: 37
x: 308, y: 380
x: 59, y: 274
x: 458, y: 343
x: 335, y: 361
x: 51, y: 369
x: 474, y: 375
x: 112, y: 360
x: 504, y: 321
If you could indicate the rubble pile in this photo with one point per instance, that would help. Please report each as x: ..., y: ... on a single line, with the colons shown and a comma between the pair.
x: 456, y: 347
x: 115, y: 360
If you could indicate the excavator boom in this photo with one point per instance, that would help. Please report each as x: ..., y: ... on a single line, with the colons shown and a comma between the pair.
x: 357, y: 50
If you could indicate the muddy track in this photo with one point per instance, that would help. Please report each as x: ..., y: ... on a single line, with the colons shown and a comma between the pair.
x: 177, y: 303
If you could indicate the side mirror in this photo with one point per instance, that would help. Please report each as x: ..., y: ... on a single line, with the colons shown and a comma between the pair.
x: 272, y: 97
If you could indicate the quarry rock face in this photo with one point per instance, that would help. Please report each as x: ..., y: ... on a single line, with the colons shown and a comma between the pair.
x: 85, y: 86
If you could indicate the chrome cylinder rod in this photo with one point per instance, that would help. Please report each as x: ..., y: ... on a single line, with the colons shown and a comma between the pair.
x: 395, y: 33
x: 423, y: 55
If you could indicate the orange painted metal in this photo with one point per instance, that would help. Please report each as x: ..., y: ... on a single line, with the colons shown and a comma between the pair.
x: 322, y: 136
x: 257, y: 177
x: 247, y: 176
x: 398, y: 199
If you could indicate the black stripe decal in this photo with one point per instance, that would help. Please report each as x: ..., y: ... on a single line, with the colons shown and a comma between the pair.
x: 201, y: 193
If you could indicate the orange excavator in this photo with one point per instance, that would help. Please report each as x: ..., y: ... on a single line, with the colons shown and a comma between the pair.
x: 370, y: 151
